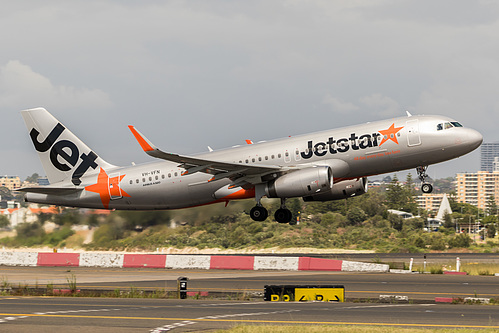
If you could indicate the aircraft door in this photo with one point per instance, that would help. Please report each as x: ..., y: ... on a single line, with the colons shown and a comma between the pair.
x: 287, y: 156
x: 413, y: 136
x: 113, y: 186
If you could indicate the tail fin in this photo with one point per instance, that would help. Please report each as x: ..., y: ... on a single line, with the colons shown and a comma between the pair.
x: 64, y: 157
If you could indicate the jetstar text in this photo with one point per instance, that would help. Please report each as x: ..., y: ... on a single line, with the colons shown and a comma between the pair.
x: 342, y: 145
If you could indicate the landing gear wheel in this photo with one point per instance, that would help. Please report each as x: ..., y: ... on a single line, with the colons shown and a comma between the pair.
x: 426, y: 188
x: 283, y: 215
x: 259, y: 213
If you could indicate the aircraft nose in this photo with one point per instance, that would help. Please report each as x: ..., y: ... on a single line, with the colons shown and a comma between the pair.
x: 473, y: 138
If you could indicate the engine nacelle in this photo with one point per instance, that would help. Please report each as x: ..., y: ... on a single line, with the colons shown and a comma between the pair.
x: 301, y: 183
x: 342, y: 190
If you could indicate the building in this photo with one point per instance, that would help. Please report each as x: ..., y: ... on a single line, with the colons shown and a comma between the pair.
x: 430, y: 201
x: 17, y: 215
x: 10, y: 182
x: 477, y: 188
x: 496, y: 164
x: 488, y: 152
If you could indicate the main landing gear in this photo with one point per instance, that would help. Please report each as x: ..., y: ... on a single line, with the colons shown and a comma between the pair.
x: 282, y: 215
x: 259, y: 213
x: 425, y: 187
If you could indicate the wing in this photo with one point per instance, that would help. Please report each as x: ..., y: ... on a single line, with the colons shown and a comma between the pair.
x: 238, y: 173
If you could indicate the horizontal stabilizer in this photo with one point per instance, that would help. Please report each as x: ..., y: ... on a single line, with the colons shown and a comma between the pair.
x: 50, y: 190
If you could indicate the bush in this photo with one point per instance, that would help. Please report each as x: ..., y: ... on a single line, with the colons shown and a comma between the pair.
x: 461, y: 240
x: 437, y: 243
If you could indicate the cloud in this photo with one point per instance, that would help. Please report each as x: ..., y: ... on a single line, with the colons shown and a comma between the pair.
x: 338, y: 105
x: 381, y: 105
x: 21, y: 86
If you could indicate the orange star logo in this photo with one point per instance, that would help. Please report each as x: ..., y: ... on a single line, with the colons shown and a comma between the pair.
x: 390, y: 134
x: 107, y: 187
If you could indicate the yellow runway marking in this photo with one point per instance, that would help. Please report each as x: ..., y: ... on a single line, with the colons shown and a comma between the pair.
x: 247, y: 321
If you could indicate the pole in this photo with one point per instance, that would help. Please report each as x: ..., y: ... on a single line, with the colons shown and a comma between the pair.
x: 410, y: 264
x: 458, y: 264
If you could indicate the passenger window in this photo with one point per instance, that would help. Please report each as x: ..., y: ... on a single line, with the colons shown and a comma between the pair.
x: 176, y: 174
x: 266, y: 158
x: 247, y: 161
x: 157, y: 177
x: 150, y: 179
x: 259, y: 159
x: 131, y: 182
x: 137, y: 180
x: 253, y: 160
x: 162, y: 176
x: 169, y: 175
x: 287, y: 154
x: 143, y: 180
x: 279, y: 155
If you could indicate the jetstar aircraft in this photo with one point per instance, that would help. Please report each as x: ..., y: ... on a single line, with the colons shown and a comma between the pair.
x: 321, y: 166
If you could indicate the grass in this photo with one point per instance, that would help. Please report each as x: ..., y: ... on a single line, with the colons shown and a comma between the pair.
x: 340, y: 329
x: 470, y: 268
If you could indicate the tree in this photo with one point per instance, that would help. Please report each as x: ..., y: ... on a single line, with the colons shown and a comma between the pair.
x: 33, y: 178
x: 5, y: 193
x: 4, y: 221
x: 491, y: 206
x: 491, y: 231
x: 400, y: 197
x: 356, y: 216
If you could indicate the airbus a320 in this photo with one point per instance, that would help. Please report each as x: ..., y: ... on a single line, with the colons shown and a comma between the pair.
x: 320, y: 166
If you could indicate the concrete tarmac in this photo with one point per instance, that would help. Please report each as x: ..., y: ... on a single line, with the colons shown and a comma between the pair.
x: 357, y: 285
x: 64, y: 314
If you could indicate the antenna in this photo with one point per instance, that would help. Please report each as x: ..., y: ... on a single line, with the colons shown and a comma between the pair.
x: 408, y: 113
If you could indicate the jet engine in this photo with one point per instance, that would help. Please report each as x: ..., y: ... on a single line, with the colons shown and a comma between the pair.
x: 342, y: 190
x: 301, y: 183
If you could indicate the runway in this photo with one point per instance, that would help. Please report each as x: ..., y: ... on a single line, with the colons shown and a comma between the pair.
x: 25, y: 314
x: 49, y: 314
x: 422, y: 287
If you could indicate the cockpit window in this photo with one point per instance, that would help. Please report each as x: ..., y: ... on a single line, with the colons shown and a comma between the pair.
x: 448, y: 125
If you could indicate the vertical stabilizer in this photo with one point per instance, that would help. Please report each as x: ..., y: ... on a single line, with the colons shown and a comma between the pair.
x: 64, y: 157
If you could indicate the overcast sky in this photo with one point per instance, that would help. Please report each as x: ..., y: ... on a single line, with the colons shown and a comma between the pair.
x: 190, y: 74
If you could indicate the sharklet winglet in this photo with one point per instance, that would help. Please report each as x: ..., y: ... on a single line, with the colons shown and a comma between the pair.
x: 144, y: 143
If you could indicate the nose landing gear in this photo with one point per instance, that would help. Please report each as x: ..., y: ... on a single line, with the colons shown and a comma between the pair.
x: 425, y: 187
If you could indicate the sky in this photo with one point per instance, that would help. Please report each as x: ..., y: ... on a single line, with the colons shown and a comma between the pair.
x: 192, y: 74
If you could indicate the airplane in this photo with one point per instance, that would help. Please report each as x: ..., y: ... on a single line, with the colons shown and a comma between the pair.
x: 321, y: 166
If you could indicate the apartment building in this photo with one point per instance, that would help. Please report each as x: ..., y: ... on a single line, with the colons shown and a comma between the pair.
x: 10, y: 182
x: 430, y: 201
x: 488, y: 152
x: 476, y: 188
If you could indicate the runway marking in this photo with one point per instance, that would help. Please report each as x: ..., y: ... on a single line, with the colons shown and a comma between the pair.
x: 169, y: 327
x: 386, y: 306
x: 256, y: 321
x: 55, y: 313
